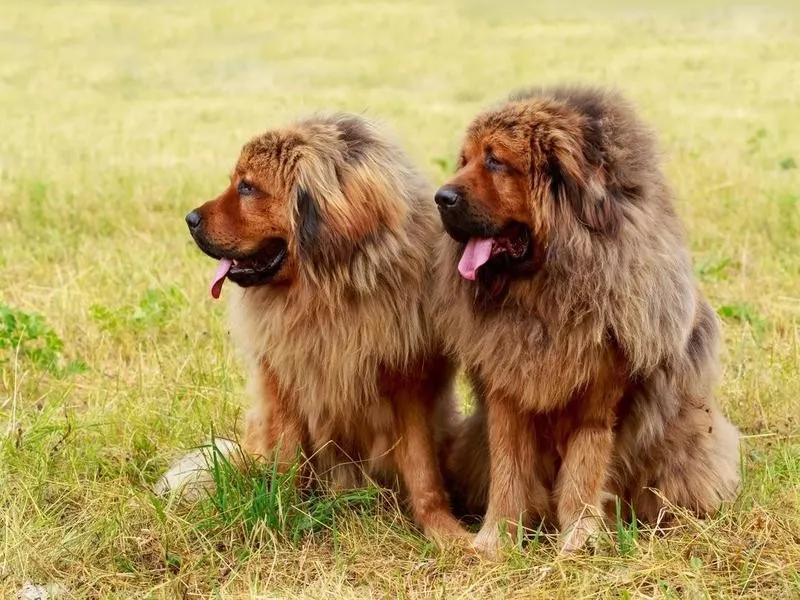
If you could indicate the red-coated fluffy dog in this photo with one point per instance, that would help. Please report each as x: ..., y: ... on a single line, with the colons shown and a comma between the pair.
x: 565, y: 288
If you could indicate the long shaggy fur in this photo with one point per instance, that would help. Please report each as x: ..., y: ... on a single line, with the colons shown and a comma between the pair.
x: 595, y: 373
x: 341, y: 354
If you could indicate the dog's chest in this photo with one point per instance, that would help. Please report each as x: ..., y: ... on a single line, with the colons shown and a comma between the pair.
x: 329, y: 360
x: 520, y: 354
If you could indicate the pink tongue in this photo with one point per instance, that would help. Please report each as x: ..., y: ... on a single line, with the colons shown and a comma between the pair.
x: 476, y: 253
x: 219, y: 277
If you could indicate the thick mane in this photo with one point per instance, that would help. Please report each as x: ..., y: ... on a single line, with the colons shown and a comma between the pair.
x: 359, y: 201
x: 364, y: 226
x: 634, y: 284
x: 614, y: 278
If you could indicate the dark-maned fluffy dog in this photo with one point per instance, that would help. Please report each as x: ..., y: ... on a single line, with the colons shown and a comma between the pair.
x: 565, y: 287
x: 328, y: 230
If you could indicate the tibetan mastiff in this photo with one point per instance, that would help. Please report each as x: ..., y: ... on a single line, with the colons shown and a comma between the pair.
x: 565, y: 288
x: 327, y: 232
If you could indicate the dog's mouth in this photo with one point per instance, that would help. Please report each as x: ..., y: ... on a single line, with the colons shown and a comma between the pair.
x: 256, y: 269
x: 512, y: 244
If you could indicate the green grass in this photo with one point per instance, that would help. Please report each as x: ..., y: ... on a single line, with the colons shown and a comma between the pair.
x: 119, y: 117
x: 257, y: 499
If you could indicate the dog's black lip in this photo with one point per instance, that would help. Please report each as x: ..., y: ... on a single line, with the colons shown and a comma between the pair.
x: 271, y: 266
x: 457, y: 234
x: 210, y: 249
x: 479, y: 230
x: 218, y: 253
x: 462, y: 236
x: 247, y: 276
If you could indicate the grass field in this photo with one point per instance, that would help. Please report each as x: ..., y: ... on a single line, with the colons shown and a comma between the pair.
x: 116, y: 118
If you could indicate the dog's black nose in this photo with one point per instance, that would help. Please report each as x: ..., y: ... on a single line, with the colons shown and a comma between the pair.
x: 447, y: 196
x: 193, y: 219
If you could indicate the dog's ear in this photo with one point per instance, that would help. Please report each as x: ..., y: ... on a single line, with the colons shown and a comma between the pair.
x: 579, y: 181
x: 308, y: 221
x: 327, y: 225
x: 318, y: 201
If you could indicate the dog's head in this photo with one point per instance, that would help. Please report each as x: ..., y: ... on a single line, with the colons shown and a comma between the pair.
x: 529, y: 172
x: 297, y: 197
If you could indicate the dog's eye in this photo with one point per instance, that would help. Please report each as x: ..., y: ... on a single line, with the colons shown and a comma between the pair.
x: 245, y: 189
x: 492, y: 163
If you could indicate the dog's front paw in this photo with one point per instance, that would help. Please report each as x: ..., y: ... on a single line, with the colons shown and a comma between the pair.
x: 190, y: 476
x: 488, y: 542
x: 584, y: 532
x: 445, y: 531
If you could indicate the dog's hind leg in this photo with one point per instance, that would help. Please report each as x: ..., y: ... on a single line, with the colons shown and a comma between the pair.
x: 465, y: 463
x: 701, y: 464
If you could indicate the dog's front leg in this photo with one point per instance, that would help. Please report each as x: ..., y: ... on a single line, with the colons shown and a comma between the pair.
x: 513, y: 486
x: 586, y: 461
x: 416, y: 462
x: 274, y: 428
x: 580, y: 483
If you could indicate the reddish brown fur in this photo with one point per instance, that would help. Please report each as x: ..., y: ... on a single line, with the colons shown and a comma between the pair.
x: 594, y: 374
x: 343, y: 362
